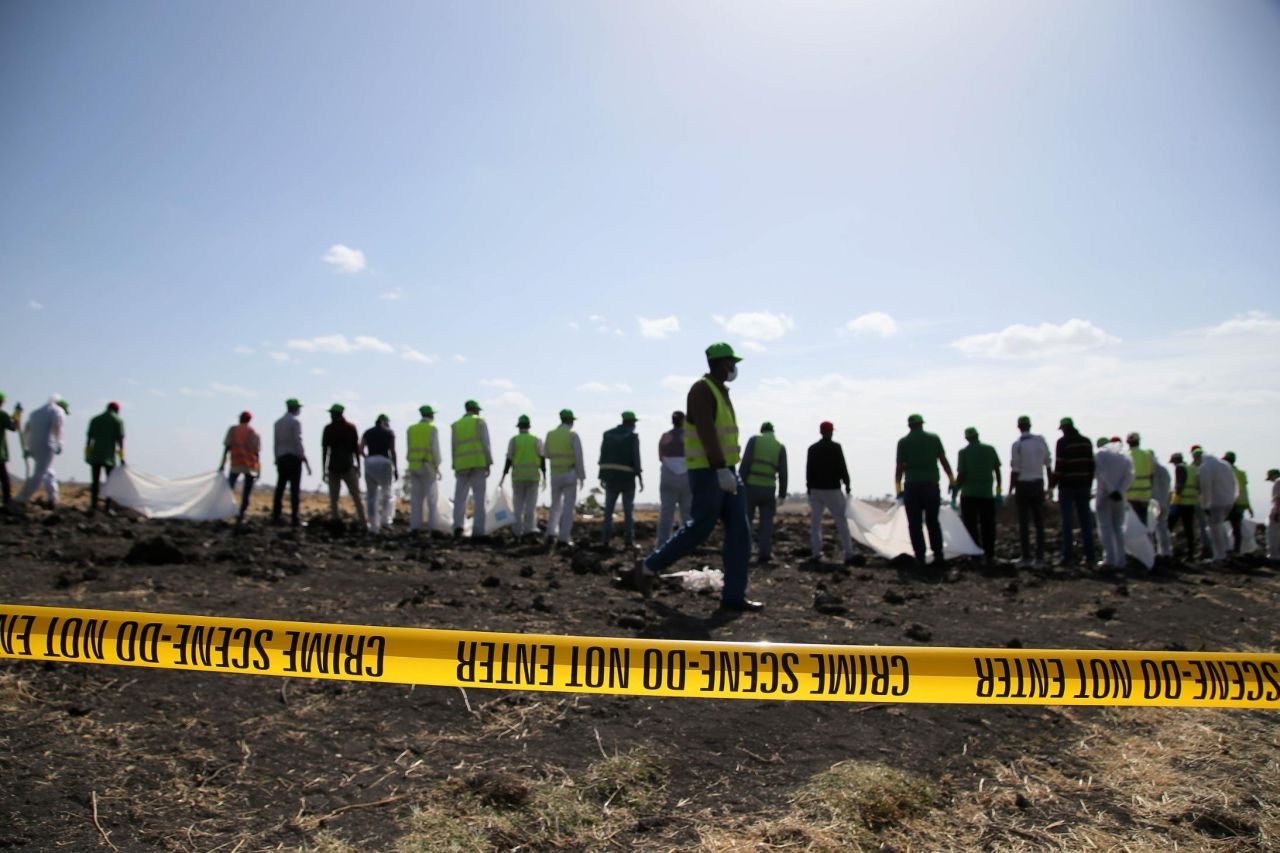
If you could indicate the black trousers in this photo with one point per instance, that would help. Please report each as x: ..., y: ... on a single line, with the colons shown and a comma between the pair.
x: 979, y: 516
x: 1186, y: 516
x: 1140, y: 509
x: 96, y: 472
x: 1236, y: 516
x: 1030, y: 500
x: 288, y: 473
x: 248, y: 488
x: 4, y: 481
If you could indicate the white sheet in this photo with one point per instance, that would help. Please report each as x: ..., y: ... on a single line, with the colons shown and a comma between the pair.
x: 204, y: 497
x: 885, y: 531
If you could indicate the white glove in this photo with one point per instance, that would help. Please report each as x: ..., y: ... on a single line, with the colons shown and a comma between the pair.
x: 728, y: 482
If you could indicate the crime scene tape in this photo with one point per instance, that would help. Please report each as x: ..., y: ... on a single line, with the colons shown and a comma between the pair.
x: 640, y: 667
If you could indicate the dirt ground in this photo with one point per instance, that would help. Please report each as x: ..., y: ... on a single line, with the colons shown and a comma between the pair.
x: 97, y: 757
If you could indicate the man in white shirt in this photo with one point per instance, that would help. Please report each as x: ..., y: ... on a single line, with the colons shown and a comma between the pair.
x: 1030, y: 467
x: 673, y: 488
x: 290, y: 457
x: 1273, y: 518
x: 1218, y: 492
x: 1114, y: 472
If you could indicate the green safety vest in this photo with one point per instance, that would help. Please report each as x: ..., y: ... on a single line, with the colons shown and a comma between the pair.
x: 1191, y: 490
x: 526, y: 464
x: 726, y: 428
x: 764, y: 461
x: 1143, y: 465
x: 468, y: 450
x: 420, y: 446
x: 1242, y: 499
x: 559, y: 447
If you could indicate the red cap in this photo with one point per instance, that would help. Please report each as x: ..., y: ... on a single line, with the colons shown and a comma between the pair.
x: 245, y: 417
x: 826, y: 426
x: 113, y: 406
x: 1116, y: 439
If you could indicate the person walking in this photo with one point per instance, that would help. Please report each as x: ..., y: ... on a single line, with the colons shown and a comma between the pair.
x: 568, y: 475
x: 291, y: 458
x: 1114, y: 472
x: 981, y: 491
x: 916, y: 479
x: 673, y: 487
x: 1073, y: 475
x: 1242, y: 504
x: 619, y: 473
x: 381, y: 471
x: 423, y: 453
x: 825, y: 472
x: 712, y: 452
x: 472, y: 461
x: 527, y: 463
x: 1185, y: 501
x: 764, y: 470
x: 1218, y: 493
x: 42, y: 440
x: 340, y: 461
x: 244, y: 446
x: 8, y: 423
x: 104, y: 441
x: 1273, y: 518
x: 1030, y: 470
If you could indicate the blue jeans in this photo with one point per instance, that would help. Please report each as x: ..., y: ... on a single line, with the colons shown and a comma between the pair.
x: 712, y: 504
x: 923, y: 501
x: 1076, y: 501
x: 628, y: 493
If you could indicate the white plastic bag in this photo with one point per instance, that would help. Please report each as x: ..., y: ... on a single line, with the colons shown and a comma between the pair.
x: 699, y: 580
x: 497, y: 512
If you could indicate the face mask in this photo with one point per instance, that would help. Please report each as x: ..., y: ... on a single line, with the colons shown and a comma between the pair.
x: 733, y: 374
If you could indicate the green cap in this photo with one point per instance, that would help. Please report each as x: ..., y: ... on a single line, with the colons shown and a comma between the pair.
x: 337, y: 408
x: 382, y: 416
x: 567, y: 415
x: 426, y: 411
x: 1273, y: 473
x: 766, y: 427
x: 1, y: 396
x: 64, y: 405
x: 915, y: 420
x: 1024, y: 421
x: 1066, y: 422
x: 970, y: 432
x: 1103, y: 441
x: 720, y: 350
x: 1230, y: 456
x: 629, y: 415
x: 471, y: 406
x: 523, y: 421
x: 292, y: 403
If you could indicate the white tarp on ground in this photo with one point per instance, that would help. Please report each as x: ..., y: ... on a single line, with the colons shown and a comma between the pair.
x: 204, y: 497
x: 885, y: 531
x: 1137, y: 541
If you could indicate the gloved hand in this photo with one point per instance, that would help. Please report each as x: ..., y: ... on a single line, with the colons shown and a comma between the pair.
x: 1116, y: 496
x: 727, y: 480
x: 900, y: 500
x: 1250, y: 511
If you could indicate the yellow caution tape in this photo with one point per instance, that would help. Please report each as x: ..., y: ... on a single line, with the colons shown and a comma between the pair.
x: 638, y: 667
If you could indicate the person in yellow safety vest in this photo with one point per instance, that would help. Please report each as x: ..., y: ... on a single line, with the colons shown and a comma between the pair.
x: 423, y: 442
x: 568, y: 475
x: 471, y: 463
x: 1242, y: 504
x: 764, y: 470
x: 712, y: 454
x: 527, y: 464
x: 1185, y: 501
x: 1139, y: 494
x: 243, y: 445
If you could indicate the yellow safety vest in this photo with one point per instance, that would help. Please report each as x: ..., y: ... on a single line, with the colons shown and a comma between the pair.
x: 559, y: 447
x: 1242, y: 499
x: 726, y: 429
x: 420, y: 446
x: 468, y: 450
x: 1191, y: 489
x: 764, y: 461
x: 1143, y: 465
x: 526, y: 464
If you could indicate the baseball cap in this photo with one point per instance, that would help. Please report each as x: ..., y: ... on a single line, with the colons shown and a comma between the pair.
x: 719, y: 350
x: 1273, y: 473
x: 113, y: 406
x: 766, y: 427
x: 1134, y: 438
x: 471, y: 406
x: 1024, y: 420
x: 337, y: 408
x: 629, y: 415
x: 1196, y: 450
x: 914, y: 419
x: 1230, y: 456
x: 1066, y: 422
x: 426, y: 411
x: 970, y: 432
x: 64, y: 405
x: 522, y: 421
x: 826, y: 426
x: 246, y: 416
x: 567, y: 415
x: 382, y: 416
x: 1103, y: 441
x: 292, y: 403
x: 1115, y: 439
x: 1176, y: 458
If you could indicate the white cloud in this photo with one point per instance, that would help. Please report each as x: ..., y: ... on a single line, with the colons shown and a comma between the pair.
x: 1251, y: 322
x: 596, y: 318
x: 194, y: 392
x: 605, y: 388
x: 1042, y: 341
x: 156, y: 392
x: 677, y: 383
x: 318, y: 371
x: 280, y: 357
x: 232, y: 390
x: 752, y: 346
x: 573, y: 326
x: 392, y: 295
x: 411, y: 354
x: 459, y: 358
x: 510, y: 400
x: 660, y: 327
x: 340, y: 345
x: 504, y: 384
x: 756, y: 326
x: 873, y: 323
x: 344, y: 258
x: 36, y: 306
x: 243, y: 349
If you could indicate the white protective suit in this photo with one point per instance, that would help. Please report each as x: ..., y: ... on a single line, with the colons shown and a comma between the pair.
x: 42, y: 433
x: 1114, y: 472
x: 1218, y: 492
x: 1161, y: 491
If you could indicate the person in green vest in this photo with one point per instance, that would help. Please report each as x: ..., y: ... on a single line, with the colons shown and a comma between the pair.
x: 423, y: 454
x: 764, y: 470
x: 978, y: 481
x: 472, y: 461
x: 104, y: 440
x: 1144, y: 463
x: 1185, y: 501
x: 1242, y: 504
x: 916, y: 477
x: 8, y: 423
x: 712, y: 454
x: 527, y: 464
x: 568, y: 475
x: 619, y: 472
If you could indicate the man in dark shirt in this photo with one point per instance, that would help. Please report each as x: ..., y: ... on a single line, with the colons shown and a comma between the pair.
x: 1183, y: 510
x: 919, y: 455
x: 619, y: 472
x: 1073, y: 475
x: 340, y: 460
x: 104, y: 442
x: 7, y: 423
x: 824, y: 472
x: 381, y: 470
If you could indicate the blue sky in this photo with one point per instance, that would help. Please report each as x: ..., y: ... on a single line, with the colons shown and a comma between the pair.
x: 893, y: 208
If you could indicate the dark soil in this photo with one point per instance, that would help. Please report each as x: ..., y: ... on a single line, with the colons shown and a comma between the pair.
x: 196, y: 761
